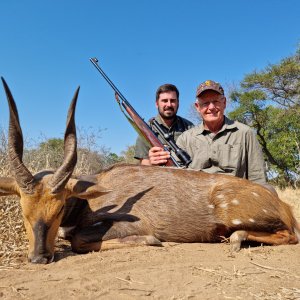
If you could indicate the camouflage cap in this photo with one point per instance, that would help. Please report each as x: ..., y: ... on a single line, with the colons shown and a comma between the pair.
x: 209, y: 85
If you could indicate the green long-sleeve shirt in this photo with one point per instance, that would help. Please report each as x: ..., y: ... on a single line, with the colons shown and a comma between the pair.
x: 180, y: 125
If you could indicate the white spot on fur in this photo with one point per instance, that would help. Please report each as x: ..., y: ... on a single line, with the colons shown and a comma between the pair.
x: 235, y: 201
x: 220, y: 196
x: 210, y: 206
x: 255, y: 194
x: 224, y: 205
x: 251, y: 220
x: 265, y: 211
x: 236, y: 221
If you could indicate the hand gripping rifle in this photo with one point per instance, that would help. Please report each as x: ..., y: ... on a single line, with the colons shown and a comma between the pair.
x: 143, y: 129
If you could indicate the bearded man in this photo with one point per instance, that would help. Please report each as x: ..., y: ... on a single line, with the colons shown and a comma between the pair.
x: 167, y: 104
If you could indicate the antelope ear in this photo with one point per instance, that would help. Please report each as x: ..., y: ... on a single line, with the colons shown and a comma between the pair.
x: 86, y: 188
x: 8, y: 186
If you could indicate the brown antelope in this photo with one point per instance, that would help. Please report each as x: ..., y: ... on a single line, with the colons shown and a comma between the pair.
x: 42, y: 195
x: 138, y: 205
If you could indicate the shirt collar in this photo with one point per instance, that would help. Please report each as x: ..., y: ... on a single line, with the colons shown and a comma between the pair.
x: 159, y: 119
x: 228, y: 125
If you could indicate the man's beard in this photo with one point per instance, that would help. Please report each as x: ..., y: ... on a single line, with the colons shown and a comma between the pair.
x: 166, y: 116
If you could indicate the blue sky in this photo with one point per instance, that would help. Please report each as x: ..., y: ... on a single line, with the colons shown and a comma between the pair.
x: 141, y: 44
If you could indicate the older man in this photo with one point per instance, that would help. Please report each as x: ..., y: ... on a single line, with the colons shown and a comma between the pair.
x: 218, y: 145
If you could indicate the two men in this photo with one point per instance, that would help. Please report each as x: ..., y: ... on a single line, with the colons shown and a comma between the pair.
x: 218, y: 145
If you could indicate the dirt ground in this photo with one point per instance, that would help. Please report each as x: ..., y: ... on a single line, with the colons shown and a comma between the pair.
x: 174, y: 271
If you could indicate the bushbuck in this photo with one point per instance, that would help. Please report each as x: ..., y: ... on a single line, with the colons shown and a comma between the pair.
x: 128, y: 205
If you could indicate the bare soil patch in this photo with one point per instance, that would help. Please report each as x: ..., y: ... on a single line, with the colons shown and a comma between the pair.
x: 175, y: 271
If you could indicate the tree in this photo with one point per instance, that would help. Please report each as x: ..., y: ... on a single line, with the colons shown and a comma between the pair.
x: 269, y: 102
x: 193, y: 115
x: 113, y: 158
x: 4, y: 161
x: 128, y: 155
x: 279, y: 82
x: 48, y: 155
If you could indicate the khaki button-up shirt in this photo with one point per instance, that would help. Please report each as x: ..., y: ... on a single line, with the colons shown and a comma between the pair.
x: 233, y: 150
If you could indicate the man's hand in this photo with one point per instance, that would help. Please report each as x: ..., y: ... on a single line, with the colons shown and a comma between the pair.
x: 158, y: 156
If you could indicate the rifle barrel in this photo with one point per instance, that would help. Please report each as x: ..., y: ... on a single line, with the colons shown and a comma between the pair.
x: 133, y: 114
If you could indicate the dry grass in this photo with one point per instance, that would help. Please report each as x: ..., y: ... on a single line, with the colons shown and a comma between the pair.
x: 13, y: 243
x: 292, y: 197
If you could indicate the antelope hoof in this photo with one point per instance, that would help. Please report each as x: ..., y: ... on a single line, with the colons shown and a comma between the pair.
x: 41, y: 259
x: 236, y: 239
x: 148, y: 240
x: 65, y: 232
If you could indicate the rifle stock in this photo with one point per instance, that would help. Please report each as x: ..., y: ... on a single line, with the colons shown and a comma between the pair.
x: 139, y: 124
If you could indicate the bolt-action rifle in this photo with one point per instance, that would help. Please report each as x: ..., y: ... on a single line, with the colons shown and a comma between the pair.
x: 144, y: 130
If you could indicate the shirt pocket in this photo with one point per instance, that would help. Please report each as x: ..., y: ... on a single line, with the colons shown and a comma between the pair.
x: 230, y: 157
x: 200, y: 156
